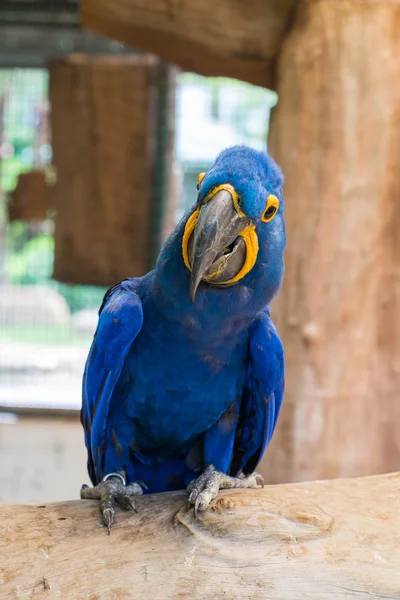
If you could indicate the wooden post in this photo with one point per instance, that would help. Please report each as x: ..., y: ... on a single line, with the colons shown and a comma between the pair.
x: 30, y: 199
x: 323, y: 540
x: 103, y: 129
x: 336, y: 134
x: 163, y: 201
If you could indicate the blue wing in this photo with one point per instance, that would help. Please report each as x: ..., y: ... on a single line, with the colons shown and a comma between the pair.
x: 120, y: 320
x: 237, y: 441
x: 262, y: 395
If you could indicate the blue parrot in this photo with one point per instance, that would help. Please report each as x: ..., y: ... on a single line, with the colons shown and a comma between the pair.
x: 184, y: 379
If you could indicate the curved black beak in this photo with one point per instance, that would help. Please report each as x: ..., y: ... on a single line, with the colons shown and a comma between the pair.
x: 218, y: 225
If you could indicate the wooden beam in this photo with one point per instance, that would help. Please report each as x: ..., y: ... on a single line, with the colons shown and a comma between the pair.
x: 39, y: 12
x: 34, y: 46
x: 230, y: 38
x: 336, y: 134
x: 333, y: 539
x: 103, y: 148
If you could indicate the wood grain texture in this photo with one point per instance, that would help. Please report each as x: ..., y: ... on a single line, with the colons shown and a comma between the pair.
x: 336, y: 134
x: 228, y: 38
x: 336, y: 539
x: 31, y: 197
x: 102, y: 116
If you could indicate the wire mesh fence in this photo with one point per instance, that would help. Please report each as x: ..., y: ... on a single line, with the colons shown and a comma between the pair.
x: 46, y: 326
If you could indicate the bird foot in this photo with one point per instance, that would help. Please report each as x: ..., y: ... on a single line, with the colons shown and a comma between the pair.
x: 112, y: 489
x: 206, y: 487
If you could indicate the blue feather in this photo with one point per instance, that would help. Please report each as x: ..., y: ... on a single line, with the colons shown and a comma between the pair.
x: 120, y: 320
x: 263, y: 392
x: 170, y: 386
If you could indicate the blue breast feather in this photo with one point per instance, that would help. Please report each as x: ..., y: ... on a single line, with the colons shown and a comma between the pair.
x: 161, y: 401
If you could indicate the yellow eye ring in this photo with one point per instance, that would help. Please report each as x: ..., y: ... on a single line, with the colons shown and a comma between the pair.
x: 200, y: 179
x: 271, y: 209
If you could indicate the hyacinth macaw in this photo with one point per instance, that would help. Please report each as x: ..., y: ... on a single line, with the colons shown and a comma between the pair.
x: 184, y: 380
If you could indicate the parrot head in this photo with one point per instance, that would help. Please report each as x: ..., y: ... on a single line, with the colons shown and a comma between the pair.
x: 234, y: 235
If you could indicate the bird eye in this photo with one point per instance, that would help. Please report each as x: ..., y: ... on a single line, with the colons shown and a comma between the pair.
x: 200, y: 179
x: 269, y: 212
x: 271, y: 209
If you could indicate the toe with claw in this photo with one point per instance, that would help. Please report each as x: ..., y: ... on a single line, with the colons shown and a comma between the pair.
x: 113, y: 489
x: 206, y: 487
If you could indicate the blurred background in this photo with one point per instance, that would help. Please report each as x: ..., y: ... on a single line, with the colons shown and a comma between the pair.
x: 108, y: 113
x: 46, y: 324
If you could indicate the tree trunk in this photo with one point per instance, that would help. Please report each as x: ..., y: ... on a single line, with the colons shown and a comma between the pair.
x: 335, y: 539
x: 336, y: 134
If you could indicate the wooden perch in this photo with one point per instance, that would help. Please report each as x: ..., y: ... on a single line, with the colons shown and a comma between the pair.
x: 332, y: 539
x: 229, y: 38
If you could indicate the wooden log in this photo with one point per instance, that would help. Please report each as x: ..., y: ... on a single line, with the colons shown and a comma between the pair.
x: 30, y: 199
x: 103, y: 111
x: 336, y: 134
x: 334, y: 539
x: 228, y: 38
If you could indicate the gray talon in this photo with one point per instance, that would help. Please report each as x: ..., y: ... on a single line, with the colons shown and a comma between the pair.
x: 112, y: 489
x: 126, y: 502
x: 108, y: 517
x: 205, y: 488
x: 142, y: 485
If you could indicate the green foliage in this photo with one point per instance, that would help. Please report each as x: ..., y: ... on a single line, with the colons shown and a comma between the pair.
x: 22, y: 90
x: 53, y: 335
x: 10, y: 169
x: 20, y: 144
x: 33, y: 264
x: 80, y: 297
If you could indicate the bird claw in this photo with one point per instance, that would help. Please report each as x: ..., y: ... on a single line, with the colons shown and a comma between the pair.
x: 142, y: 485
x: 108, y: 518
x: 206, y: 487
x: 112, y: 489
x: 126, y: 502
x: 259, y: 479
